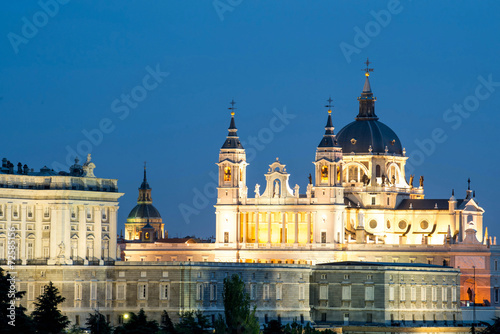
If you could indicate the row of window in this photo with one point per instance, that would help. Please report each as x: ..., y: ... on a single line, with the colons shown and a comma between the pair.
x: 423, y: 293
x: 164, y: 291
x: 370, y: 296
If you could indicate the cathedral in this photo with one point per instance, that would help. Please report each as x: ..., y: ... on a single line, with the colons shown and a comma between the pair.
x: 359, y: 205
x: 360, y: 245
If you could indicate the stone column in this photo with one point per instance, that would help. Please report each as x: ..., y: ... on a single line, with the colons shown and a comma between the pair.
x: 97, y: 216
x: 238, y: 222
x: 268, y: 227
x: 112, y: 233
x: 54, y: 231
x: 24, y: 245
x: 82, y: 232
x: 257, y: 227
x: 296, y: 227
x: 309, y: 227
x: 283, y: 227
x: 38, y: 212
x: 245, y: 226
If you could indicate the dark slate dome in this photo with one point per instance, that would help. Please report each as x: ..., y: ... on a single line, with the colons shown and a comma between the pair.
x: 144, y: 211
x: 366, y: 130
x: 359, y: 135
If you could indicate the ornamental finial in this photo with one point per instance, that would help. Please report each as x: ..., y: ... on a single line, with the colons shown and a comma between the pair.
x: 329, y: 105
x: 367, y: 69
x: 232, y: 108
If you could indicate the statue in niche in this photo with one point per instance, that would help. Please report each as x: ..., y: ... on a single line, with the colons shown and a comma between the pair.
x: 61, y: 250
x: 422, y: 181
x: 383, y: 179
x: 310, y: 178
x: 394, y: 179
x: 365, y: 179
x: 276, y: 189
x: 257, y: 190
x: 411, y: 181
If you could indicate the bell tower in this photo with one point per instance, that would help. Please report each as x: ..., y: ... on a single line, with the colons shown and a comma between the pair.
x: 232, y: 167
x: 232, y: 189
x: 328, y: 163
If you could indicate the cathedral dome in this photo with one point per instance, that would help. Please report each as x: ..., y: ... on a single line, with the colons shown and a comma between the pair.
x: 366, y: 134
x: 360, y: 135
x: 144, y: 212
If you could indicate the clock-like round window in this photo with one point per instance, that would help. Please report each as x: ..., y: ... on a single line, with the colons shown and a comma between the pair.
x: 373, y: 224
x: 402, y: 225
x: 424, y: 225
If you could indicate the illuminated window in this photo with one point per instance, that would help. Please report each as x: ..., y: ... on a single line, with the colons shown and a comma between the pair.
x: 226, y: 237
x: 146, y: 236
x: 324, y: 174
x: 227, y: 173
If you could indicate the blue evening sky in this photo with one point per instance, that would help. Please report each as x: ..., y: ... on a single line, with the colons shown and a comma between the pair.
x: 66, y: 75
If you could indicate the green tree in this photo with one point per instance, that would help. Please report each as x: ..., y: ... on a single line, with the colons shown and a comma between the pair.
x: 75, y: 329
x: 97, y: 324
x: 138, y: 324
x: 192, y: 323
x: 167, y: 327
x: 294, y: 328
x: 238, y: 316
x: 46, y: 316
x: 12, y: 319
x: 273, y: 327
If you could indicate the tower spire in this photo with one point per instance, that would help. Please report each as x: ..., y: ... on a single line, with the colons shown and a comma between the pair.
x: 232, y: 140
x: 367, y: 100
x: 144, y: 184
x: 329, y: 136
x: 144, y: 190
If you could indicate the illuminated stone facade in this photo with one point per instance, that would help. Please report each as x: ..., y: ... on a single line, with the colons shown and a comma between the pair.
x: 57, y: 218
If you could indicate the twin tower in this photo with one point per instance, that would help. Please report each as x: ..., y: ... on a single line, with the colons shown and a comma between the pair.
x: 361, y: 168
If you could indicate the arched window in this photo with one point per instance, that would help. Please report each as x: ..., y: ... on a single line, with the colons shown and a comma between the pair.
x: 377, y: 171
x: 324, y: 174
x: 227, y: 173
